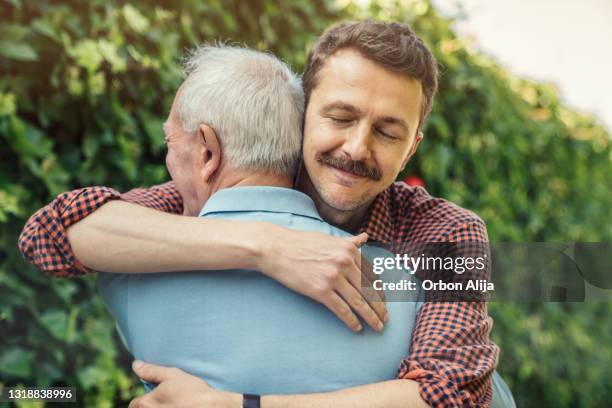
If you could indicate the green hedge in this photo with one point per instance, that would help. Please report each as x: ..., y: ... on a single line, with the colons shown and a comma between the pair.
x: 85, y: 86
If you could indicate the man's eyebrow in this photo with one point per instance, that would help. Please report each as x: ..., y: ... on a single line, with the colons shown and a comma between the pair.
x: 340, y: 106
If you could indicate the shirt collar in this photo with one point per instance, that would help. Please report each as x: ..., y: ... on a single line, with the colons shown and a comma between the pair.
x: 378, y: 221
x: 261, y: 198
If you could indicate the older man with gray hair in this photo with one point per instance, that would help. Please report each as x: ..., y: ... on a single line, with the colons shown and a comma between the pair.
x: 254, y: 121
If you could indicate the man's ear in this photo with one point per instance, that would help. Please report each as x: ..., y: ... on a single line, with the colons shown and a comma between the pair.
x: 210, y: 150
x: 413, y: 149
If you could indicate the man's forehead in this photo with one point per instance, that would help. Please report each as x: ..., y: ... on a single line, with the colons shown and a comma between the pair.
x: 352, y: 65
x: 352, y: 82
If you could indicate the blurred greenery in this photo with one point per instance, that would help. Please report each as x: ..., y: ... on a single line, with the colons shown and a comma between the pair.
x: 84, y: 88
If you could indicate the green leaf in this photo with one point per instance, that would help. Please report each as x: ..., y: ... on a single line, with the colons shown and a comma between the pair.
x: 92, y: 376
x: 45, y: 28
x: 135, y: 19
x: 15, y: 32
x: 154, y: 129
x: 17, y: 51
x: 90, y: 145
x: 8, y: 105
x: 56, y: 322
x: 9, y: 204
x: 16, y: 362
x: 86, y: 54
x: 65, y: 289
x: 110, y: 52
x: 29, y: 404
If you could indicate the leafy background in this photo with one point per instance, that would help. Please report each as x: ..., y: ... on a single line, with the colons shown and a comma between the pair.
x: 84, y: 88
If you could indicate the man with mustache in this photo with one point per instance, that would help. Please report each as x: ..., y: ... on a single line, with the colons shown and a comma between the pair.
x: 369, y: 87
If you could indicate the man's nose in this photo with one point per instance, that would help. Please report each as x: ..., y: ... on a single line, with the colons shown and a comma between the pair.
x: 357, y: 143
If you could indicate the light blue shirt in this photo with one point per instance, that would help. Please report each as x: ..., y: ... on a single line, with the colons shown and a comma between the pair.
x: 241, y: 331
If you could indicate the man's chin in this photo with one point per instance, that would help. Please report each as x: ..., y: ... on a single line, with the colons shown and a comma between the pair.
x: 335, y: 194
x: 342, y: 202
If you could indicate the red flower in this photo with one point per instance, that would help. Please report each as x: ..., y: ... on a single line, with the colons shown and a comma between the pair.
x: 414, y: 181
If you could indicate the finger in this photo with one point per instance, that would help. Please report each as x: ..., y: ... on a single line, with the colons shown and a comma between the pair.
x: 375, y: 298
x: 355, y: 300
x: 342, y: 311
x: 153, y: 373
x: 360, y: 239
x: 361, y: 277
x: 135, y: 403
x: 380, y: 308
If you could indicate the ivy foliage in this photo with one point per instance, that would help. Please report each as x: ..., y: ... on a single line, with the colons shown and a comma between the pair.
x: 85, y: 87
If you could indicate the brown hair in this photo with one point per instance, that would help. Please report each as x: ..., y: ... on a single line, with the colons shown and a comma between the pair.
x: 392, y: 45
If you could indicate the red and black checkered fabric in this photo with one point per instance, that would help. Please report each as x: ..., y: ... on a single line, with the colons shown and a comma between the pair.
x: 451, y: 355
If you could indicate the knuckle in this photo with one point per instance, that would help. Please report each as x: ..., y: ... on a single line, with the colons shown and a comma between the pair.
x: 358, y: 302
x: 369, y: 309
x: 343, y: 261
x: 372, y: 315
x: 332, y: 274
x: 347, y: 247
x: 322, y: 289
x: 345, y: 312
x: 368, y: 313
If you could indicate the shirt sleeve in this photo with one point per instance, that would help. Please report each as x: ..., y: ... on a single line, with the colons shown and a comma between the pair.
x: 44, y: 241
x: 451, y: 355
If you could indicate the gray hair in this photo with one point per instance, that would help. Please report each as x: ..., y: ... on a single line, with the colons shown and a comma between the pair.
x: 252, y: 100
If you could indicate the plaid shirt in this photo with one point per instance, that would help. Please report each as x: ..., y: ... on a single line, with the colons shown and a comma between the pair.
x: 451, y: 355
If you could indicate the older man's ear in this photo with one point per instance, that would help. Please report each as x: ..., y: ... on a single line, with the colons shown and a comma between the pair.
x: 210, y: 149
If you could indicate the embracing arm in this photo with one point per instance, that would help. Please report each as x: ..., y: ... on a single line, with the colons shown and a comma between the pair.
x: 97, y: 228
x: 44, y: 240
x: 177, y: 388
x: 451, y: 355
x: 128, y: 238
x: 107, y: 231
x: 385, y: 394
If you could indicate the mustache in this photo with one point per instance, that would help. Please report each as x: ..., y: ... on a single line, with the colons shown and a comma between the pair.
x: 356, y: 167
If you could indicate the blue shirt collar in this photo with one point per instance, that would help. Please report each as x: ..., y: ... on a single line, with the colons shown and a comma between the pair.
x: 261, y: 198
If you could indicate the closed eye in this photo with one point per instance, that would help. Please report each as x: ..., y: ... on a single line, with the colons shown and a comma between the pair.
x: 385, y: 134
x: 341, y: 121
